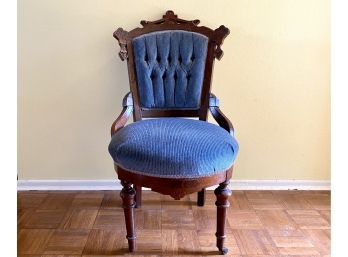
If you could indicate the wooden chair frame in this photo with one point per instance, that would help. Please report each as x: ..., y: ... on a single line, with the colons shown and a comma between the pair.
x: 175, y: 187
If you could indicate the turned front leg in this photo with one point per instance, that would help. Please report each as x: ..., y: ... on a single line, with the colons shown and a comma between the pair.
x: 222, y: 193
x: 128, y: 201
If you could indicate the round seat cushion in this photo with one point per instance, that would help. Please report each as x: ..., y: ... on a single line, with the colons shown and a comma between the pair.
x: 173, y: 148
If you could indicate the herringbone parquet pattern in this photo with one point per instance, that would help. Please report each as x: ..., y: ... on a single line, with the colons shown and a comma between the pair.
x: 260, y: 223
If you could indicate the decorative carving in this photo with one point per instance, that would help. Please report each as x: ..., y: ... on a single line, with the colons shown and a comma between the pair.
x: 121, y: 35
x: 170, y: 20
x: 219, y: 35
x: 169, y: 17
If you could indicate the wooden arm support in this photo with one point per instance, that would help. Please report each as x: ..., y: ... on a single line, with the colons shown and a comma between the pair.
x: 127, y: 111
x: 218, y: 115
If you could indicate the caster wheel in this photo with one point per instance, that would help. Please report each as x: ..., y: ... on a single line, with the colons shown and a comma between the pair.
x: 223, y: 251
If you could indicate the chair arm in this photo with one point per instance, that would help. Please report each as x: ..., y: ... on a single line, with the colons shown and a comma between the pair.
x: 218, y: 115
x: 127, y: 110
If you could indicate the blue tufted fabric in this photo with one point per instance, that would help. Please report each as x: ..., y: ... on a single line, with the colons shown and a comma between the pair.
x: 174, y: 148
x: 170, y: 68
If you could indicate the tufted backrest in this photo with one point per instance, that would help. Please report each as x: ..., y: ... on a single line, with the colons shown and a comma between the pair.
x: 170, y: 68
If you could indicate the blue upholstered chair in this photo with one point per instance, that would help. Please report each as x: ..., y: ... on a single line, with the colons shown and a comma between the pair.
x: 170, y: 64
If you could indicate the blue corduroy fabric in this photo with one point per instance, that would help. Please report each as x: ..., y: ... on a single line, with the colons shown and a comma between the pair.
x: 174, y: 148
x: 170, y: 68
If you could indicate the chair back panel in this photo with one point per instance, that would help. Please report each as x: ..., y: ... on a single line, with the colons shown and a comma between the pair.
x: 170, y: 64
x: 170, y: 68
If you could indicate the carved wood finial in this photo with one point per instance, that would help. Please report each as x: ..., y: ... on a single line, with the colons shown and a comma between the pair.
x: 121, y: 35
x: 170, y: 14
x: 219, y: 35
x: 169, y: 17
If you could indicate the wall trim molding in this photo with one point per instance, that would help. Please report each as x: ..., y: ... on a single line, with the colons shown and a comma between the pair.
x: 26, y: 185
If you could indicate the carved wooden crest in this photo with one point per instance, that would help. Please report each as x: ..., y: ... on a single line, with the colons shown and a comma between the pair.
x: 171, y: 18
x: 170, y: 21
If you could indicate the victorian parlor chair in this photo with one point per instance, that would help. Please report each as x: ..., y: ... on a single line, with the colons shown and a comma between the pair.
x: 170, y: 64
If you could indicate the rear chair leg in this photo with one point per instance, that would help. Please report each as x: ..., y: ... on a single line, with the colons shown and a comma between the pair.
x: 201, y: 197
x: 128, y: 201
x: 222, y: 193
x: 137, y: 196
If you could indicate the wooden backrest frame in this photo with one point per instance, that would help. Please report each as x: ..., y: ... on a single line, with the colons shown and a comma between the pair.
x: 170, y: 21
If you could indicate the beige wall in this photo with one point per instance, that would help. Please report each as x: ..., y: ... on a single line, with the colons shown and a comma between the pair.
x: 273, y: 82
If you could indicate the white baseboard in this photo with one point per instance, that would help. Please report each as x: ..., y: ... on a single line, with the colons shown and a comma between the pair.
x: 26, y: 185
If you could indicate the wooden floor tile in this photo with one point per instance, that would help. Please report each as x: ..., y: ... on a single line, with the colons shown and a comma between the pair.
x: 244, y: 219
x: 148, y: 219
x: 291, y: 241
x: 319, y: 201
x: 33, y: 241
x: 187, y: 243
x: 285, y: 232
x: 50, y: 255
x: 23, y: 216
x: 169, y: 239
x: 276, y: 219
x: 320, y: 239
x: 240, y: 201
x: 298, y: 251
x: 207, y: 243
x: 259, y: 194
x: 266, y: 204
x: 151, y: 201
x: 178, y: 219
x: 291, y: 201
x: 308, y: 219
x: 105, y: 242
x: 263, y: 200
x: 44, y: 219
x: 149, y: 241
x: 30, y: 199
x: 91, y: 223
x: 58, y: 201
x: 254, y: 242
x: 79, y: 219
x: 67, y: 242
x: 204, y: 219
x: 87, y: 201
x: 326, y: 215
x: 110, y: 219
x: 112, y: 200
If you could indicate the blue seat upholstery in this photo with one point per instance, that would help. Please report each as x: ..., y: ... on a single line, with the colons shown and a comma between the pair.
x: 170, y: 68
x: 173, y: 148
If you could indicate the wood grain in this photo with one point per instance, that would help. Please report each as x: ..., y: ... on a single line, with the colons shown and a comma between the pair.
x: 259, y: 223
x: 67, y: 242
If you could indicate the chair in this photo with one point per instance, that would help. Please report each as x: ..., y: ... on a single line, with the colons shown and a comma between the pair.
x: 170, y: 64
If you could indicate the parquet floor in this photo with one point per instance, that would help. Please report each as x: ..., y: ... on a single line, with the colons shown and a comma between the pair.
x: 260, y: 223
